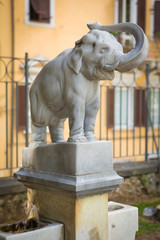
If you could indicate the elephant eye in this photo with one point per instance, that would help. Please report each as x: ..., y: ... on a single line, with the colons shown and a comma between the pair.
x: 104, y: 50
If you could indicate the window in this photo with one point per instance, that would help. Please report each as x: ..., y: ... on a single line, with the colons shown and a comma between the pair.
x: 139, y: 107
x: 154, y: 106
x: 129, y: 11
x: 121, y: 110
x: 40, y: 13
x: 21, y: 107
x: 141, y: 13
x: 157, y: 19
x: 124, y: 11
x: 34, y: 67
x: 126, y: 107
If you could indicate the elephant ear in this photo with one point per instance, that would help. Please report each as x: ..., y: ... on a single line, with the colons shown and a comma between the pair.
x: 75, y: 60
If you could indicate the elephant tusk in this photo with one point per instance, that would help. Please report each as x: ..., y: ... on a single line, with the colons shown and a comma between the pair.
x: 111, y: 67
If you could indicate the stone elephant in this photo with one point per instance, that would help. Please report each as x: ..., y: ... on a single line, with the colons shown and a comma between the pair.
x: 68, y: 86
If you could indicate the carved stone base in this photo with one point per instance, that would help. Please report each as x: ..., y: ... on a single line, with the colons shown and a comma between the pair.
x: 68, y: 182
x: 77, y: 169
x: 83, y: 218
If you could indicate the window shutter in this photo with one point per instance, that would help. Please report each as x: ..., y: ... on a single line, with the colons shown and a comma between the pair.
x: 44, y: 13
x: 141, y: 13
x: 139, y: 109
x: 40, y: 10
x: 120, y: 11
x: 110, y: 106
x: 157, y: 17
x: 21, y: 108
x: 35, y: 5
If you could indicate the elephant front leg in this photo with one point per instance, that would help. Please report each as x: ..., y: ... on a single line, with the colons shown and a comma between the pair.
x: 38, y: 135
x: 57, y: 132
x: 76, y: 121
x: 90, y: 118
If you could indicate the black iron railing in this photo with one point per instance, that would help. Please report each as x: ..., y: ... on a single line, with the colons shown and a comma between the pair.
x: 129, y: 114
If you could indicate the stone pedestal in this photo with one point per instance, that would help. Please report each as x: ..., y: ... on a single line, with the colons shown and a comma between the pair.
x: 69, y: 182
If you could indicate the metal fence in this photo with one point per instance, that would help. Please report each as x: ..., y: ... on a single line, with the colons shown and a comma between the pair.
x: 16, y: 74
x: 129, y: 114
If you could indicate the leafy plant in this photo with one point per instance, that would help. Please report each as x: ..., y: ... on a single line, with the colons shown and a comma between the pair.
x: 144, y: 179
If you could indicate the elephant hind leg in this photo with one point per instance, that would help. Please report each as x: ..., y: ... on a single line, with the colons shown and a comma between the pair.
x: 38, y: 135
x: 90, y: 118
x: 56, y: 132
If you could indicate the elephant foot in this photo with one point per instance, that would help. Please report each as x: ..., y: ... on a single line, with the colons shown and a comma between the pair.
x: 58, y: 140
x: 36, y: 144
x: 38, y: 136
x: 90, y: 136
x: 80, y: 139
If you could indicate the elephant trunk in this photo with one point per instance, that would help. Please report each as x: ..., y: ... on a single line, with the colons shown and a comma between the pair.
x: 137, y: 55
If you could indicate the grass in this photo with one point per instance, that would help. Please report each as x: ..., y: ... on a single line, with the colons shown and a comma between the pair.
x: 145, y: 223
x: 142, y: 205
x: 147, y: 227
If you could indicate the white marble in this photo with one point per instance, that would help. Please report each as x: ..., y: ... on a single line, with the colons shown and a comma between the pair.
x: 70, y: 158
x: 54, y: 229
x: 78, y: 169
x: 122, y: 221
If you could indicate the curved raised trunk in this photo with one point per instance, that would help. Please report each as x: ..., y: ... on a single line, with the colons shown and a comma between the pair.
x: 137, y: 55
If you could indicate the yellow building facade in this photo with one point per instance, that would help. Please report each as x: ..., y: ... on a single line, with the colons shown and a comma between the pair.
x: 26, y: 28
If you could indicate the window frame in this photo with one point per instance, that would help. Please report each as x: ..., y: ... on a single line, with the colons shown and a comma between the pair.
x: 152, y: 31
x: 154, y: 94
x: 133, y: 18
x: 51, y: 24
x: 129, y: 124
x: 133, y: 11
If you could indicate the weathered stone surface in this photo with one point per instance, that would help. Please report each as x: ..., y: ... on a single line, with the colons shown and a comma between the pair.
x: 127, y: 169
x: 68, y: 183
x: 78, y: 186
x: 84, y: 218
x: 70, y: 158
x: 122, y: 221
x: 54, y: 229
x: 78, y: 169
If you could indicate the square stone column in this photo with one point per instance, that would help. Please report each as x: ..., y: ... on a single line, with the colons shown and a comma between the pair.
x: 69, y: 182
x: 84, y: 218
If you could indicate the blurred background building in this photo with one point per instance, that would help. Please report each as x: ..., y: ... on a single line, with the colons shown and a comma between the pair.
x: 32, y: 32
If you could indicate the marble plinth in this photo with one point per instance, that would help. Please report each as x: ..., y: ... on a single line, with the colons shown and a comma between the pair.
x: 69, y: 183
x: 78, y: 169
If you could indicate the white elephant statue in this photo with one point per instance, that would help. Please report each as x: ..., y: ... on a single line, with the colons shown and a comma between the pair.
x: 68, y: 86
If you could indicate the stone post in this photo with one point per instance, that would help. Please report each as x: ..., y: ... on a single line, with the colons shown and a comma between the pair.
x: 69, y: 183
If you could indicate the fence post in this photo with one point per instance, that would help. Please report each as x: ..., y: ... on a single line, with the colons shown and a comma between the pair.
x: 26, y: 95
x: 146, y: 112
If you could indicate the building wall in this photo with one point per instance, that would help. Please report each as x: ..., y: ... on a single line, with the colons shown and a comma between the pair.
x: 5, y: 28
x: 70, y: 25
